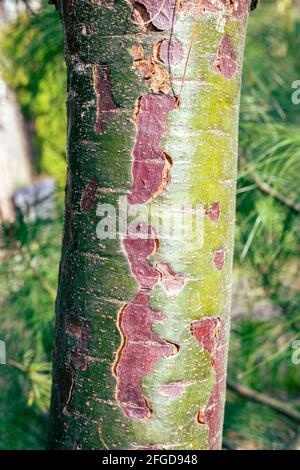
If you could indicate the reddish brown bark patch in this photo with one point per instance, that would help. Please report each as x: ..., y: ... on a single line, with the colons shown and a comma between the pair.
x: 138, y: 248
x: 207, y: 333
x: 219, y: 259
x: 106, y: 106
x: 79, y: 354
x: 172, y: 282
x: 159, y: 13
x: 213, y: 212
x: 210, y: 334
x: 151, y: 166
x: 89, y: 195
x: 170, y: 51
x: 225, y: 61
x: 142, y: 348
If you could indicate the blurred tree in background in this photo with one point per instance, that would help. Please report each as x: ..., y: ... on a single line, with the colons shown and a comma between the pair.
x: 266, y: 316
x: 33, y: 65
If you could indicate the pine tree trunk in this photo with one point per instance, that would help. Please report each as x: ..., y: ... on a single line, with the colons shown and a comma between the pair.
x: 143, y: 321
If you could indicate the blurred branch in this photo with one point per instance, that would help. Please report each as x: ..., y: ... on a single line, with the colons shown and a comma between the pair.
x: 45, y: 285
x: 277, y: 405
x: 266, y: 188
x: 18, y: 366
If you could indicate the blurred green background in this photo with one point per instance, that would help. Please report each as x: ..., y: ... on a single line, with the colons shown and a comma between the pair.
x: 266, y: 292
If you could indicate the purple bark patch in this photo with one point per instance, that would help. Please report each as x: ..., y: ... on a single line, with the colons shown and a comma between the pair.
x: 142, y: 348
x: 206, y: 332
x: 172, y: 282
x: 213, y: 212
x: 219, y: 259
x: 138, y: 250
x: 82, y: 331
x: 170, y: 51
x: 89, y: 195
x: 160, y: 13
x: 150, y: 168
x: 225, y: 62
x: 173, y: 389
x: 106, y: 106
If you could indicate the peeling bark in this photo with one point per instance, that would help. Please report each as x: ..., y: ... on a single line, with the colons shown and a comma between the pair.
x: 151, y: 166
x: 138, y: 250
x: 172, y: 282
x: 141, y: 347
x: 225, y: 62
x: 170, y: 51
x: 106, y: 106
x: 174, y: 389
x: 219, y: 259
x: 89, y: 195
x: 235, y: 8
x: 213, y: 212
x: 140, y: 351
x: 82, y: 332
x: 159, y: 13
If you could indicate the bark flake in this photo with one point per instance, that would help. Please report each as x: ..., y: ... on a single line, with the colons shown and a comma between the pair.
x: 89, y: 195
x: 106, y: 107
x: 151, y: 166
x: 225, y: 62
x: 213, y: 212
x: 141, y: 347
x: 219, y: 259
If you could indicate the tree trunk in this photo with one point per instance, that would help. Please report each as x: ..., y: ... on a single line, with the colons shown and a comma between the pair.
x: 142, y: 311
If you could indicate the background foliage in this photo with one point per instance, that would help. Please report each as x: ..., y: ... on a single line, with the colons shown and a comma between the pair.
x: 266, y: 317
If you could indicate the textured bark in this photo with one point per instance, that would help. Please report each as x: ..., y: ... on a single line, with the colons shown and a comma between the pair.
x: 142, y: 324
